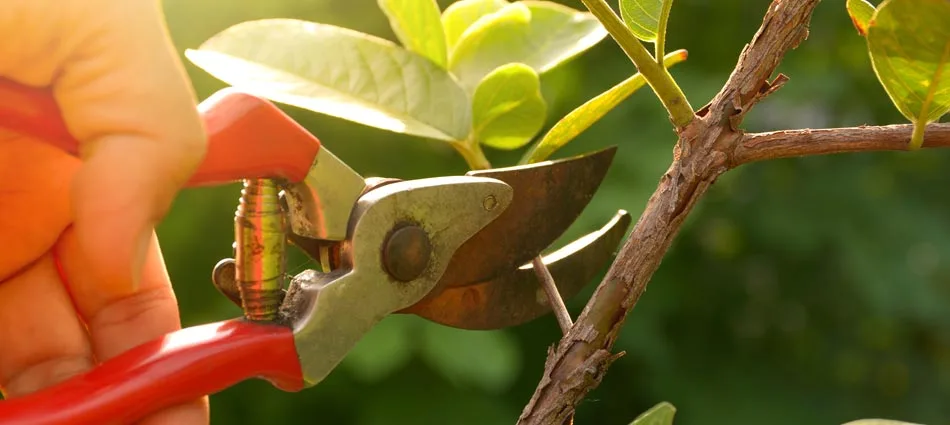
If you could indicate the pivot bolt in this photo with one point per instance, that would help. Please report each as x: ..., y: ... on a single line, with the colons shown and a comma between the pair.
x: 406, y: 253
x: 489, y: 203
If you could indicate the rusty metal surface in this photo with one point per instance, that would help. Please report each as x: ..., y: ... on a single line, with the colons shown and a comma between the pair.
x: 320, y: 205
x: 517, y: 297
x: 406, y: 253
x: 548, y: 197
x: 488, y: 282
x: 330, y: 312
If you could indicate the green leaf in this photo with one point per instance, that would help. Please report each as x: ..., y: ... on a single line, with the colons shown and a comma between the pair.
x: 646, y: 18
x: 540, y: 34
x: 507, y: 108
x: 584, y: 116
x: 459, y: 16
x: 909, y: 43
x: 661, y: 414
x: 860, y: 12
x: 489, y: 360
x: 339, y: 72
x: 418, y: 25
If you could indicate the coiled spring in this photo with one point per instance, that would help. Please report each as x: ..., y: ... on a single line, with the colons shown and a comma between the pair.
x: 259, y: 226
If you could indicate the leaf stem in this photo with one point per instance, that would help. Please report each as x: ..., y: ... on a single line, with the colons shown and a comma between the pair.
x: 583, y: 117
x: 472, y: 152
x: 675, y: 102
x: 917, y: 136
x: 660, y: 44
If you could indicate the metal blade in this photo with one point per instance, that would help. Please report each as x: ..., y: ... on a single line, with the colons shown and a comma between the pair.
x: 548, y: 197
x: 516, y: 298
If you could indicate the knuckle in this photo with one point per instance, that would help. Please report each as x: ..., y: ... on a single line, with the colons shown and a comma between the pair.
x: 151, y: 311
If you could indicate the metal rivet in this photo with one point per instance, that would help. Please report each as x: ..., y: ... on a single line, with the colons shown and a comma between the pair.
x: 489, y: 202
x: 406, y: 253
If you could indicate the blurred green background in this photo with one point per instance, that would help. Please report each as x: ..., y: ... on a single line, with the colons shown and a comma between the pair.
x: 801, y: 291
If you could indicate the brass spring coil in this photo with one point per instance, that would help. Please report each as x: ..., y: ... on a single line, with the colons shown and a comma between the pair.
x: 259, y: 225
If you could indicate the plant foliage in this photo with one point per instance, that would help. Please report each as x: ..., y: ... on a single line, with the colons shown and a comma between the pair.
x: 471, y: 75
x: 441, y: 83
x: 661, y: 414
x: 909, y: 44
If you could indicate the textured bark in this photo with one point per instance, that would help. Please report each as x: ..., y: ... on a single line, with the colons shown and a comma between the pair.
x: 709, y: 146
x: 792, y: 143
x: 703, y: 153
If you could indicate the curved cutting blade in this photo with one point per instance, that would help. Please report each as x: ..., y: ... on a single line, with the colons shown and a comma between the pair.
x: 548, y: 197
x: 517, y: 297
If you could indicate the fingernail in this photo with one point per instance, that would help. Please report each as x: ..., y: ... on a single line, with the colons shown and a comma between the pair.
x: 140, y: 252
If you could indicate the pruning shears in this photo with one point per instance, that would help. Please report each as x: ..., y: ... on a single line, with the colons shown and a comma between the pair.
x: 455, y: 250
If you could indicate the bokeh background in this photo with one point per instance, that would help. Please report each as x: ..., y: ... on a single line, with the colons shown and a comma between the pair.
x: 801, y: 291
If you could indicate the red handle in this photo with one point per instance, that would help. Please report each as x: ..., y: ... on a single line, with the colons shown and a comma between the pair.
x: 248, y: 137
x: 177, y: 368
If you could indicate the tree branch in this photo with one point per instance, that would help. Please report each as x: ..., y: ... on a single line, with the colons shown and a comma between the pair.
x: 704, y: 151
x: 793, y: 143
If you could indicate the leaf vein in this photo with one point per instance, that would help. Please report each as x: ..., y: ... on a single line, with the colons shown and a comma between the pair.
x: 645, y: 11
x: 924, y: 109
x: 887, y: 61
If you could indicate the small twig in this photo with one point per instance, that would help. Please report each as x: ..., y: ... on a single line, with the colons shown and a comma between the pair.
x: 554, y: 297
x: 557, y: 305
x: 471, y: 151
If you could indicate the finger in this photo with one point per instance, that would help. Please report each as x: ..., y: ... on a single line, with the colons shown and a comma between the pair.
x: 43, y: 340
x: 117, y: 323
x: 133, y: 107
x: 34, y: 200
x: 124, y: 94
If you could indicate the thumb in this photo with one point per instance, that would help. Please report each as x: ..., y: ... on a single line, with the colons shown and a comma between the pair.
x: 124, y: 94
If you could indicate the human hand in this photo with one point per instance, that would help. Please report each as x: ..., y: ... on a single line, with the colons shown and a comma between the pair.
x: 81, y: 273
